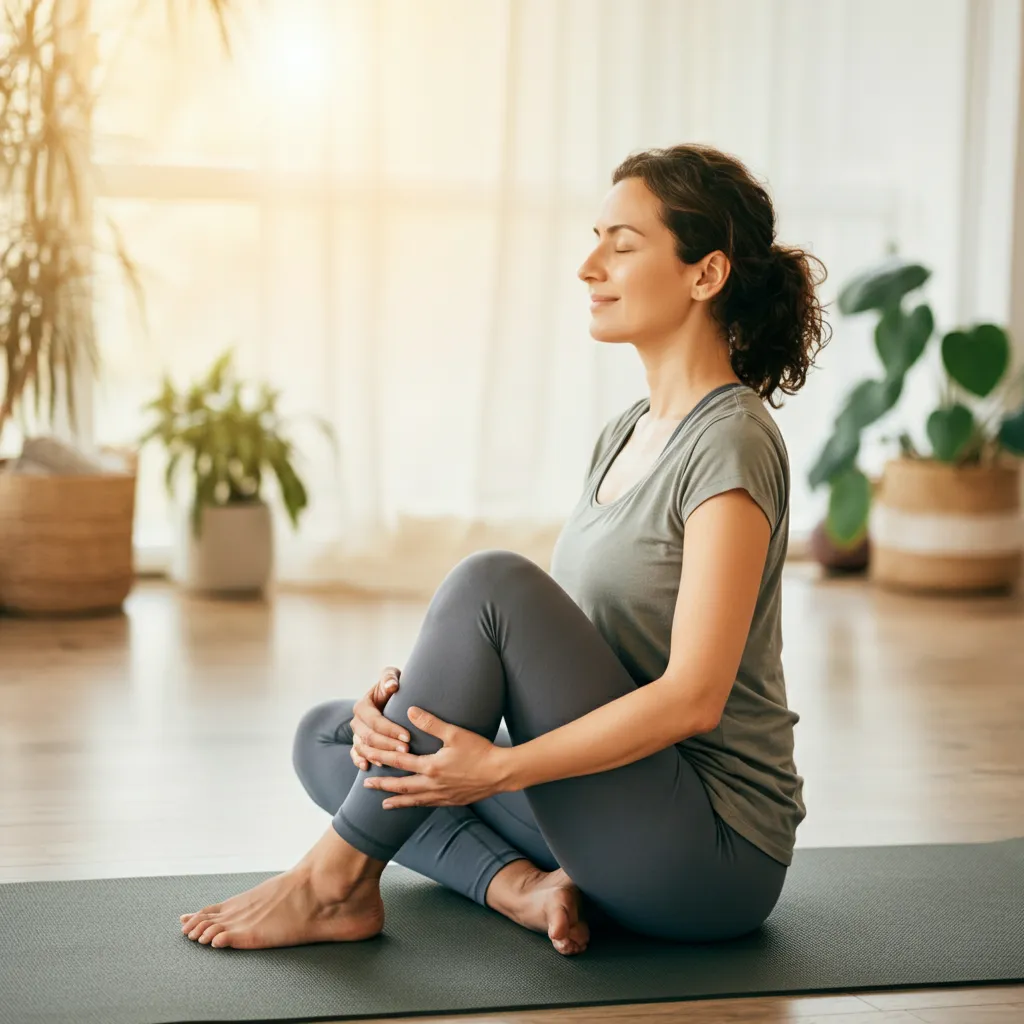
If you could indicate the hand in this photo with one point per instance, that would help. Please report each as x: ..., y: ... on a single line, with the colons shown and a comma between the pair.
x: 372, y: 733
x: 466, y: 769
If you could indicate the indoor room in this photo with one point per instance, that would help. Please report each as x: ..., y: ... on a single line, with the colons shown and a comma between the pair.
x: 511, y: 511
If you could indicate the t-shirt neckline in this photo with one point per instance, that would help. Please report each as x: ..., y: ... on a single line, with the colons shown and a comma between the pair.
x: 628, y: 432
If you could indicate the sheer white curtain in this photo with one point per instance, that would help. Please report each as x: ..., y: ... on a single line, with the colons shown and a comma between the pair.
x: 382, y: 205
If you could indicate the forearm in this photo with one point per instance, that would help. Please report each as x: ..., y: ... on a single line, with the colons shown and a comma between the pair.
x: 633, y: 726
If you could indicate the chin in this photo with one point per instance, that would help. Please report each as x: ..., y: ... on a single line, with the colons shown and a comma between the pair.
x: 608, y: 334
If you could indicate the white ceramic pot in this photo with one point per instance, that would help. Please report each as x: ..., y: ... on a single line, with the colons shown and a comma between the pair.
x: 233, y: 554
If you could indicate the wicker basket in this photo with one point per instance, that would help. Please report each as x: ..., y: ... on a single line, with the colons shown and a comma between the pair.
x: 65, y: 542
x: 936, y: 527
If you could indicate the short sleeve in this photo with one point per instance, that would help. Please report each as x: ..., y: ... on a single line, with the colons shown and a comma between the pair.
x: 736, y: 450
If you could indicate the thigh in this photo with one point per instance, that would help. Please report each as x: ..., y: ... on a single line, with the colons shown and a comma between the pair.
x: 645, y: 844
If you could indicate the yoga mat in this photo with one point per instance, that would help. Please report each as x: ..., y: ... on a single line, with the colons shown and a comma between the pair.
x: 110, y: 951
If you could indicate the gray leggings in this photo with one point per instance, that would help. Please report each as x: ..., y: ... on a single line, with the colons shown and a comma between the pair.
x: 501, y: 639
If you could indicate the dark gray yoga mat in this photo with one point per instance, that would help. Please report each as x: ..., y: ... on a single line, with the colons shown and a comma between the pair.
x: 110, y: 951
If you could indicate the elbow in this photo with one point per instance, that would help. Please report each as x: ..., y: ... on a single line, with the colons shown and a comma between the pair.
x: 701, y: 720
x: 705, y: 724
x: 694, y: 712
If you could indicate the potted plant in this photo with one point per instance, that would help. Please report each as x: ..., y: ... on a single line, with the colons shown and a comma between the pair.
x: 949, y: 518
x: 231, y: 436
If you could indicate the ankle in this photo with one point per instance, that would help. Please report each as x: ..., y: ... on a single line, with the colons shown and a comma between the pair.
x: 508, y: 887
x: 336, y: 870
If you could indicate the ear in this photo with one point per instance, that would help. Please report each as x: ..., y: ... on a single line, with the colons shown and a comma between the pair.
x: 714, y: 273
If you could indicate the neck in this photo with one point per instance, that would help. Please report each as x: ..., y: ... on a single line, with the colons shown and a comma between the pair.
x: 684, y: 366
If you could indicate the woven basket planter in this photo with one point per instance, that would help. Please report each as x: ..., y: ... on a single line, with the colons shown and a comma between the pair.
x: 937, y: 527
x: 65, y: 542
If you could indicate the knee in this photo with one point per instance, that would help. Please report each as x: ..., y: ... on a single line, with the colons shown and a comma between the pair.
x: 488, y: 568
x: 319, y: 725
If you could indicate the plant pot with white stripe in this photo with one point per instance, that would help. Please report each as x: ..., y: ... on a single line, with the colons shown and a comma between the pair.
x: 947, y: 528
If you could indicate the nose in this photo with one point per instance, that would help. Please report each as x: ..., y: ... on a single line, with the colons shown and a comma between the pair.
x: 589, y: 269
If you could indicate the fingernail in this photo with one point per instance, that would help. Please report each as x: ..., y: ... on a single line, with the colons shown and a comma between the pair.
x: 404, y: 737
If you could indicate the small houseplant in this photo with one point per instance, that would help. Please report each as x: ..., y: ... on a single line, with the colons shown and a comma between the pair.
x: 231, y: 436
x: 976, y: 435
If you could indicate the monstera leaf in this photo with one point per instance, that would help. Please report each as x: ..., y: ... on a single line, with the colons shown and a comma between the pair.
x: 848, y: 506
x: 900, y: 338
x: 839, y: 453
x: 883, y: 286
x: 977, y: 359
x: 870, y: 400
x: 949, y: 430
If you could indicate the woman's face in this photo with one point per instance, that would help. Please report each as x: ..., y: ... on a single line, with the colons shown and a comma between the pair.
x: 649, y: 290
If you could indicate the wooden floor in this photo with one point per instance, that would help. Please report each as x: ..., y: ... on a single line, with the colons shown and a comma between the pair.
x: 159, y: 742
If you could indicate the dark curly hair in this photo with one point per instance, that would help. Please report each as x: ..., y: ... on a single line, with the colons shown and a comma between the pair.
x: 767, y: 309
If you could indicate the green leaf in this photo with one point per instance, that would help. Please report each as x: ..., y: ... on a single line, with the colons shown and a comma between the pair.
x: 869, y: 401
x: 901, y: 338
x: 172, y: 465
x: 1011, y: 432
x: 977, y: 360
x: 839, y: 454
x: 848, y: 506
x: 882, y: 287
x: 949, y: 430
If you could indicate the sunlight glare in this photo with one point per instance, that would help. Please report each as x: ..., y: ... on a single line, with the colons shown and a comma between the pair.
x: 296, y: 60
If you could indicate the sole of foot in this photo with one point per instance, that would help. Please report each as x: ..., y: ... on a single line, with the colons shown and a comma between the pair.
x: 553, y: 904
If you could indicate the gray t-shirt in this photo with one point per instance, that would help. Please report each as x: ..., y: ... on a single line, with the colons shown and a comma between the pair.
x: 621, y: 562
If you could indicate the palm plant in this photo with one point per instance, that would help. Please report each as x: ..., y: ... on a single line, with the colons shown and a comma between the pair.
x: 47, y: 241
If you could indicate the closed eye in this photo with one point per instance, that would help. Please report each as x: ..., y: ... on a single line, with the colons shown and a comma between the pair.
x: 624, y: 250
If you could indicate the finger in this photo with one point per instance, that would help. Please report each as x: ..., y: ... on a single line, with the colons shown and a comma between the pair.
x: 414, y: 801
x: 359, y: 761
x: 358, y: 747
x: 366, y: 752
x: 418, y: 784
x: 432, y: 724
x: 385, y: 687
x: 419, y: 763
x: 382, y: 742
x: 380, y: 723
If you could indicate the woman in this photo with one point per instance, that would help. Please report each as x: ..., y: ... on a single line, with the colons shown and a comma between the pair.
x: 647, y: 764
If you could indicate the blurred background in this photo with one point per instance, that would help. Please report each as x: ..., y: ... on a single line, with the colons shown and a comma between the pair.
x: 381, y: 205
x: 324, y: 253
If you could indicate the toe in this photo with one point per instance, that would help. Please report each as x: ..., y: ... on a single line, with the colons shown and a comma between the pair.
x: 211, y: 933
x: 222, y: 938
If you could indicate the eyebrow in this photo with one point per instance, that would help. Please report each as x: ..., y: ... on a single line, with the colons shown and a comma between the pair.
x: 618, y: 227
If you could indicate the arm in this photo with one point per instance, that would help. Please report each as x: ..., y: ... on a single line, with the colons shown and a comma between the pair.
x: 724, y: 549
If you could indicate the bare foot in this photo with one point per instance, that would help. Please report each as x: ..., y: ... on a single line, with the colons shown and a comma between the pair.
x: 330, y: 896
x: 550, y: 902
x: 286, y: 911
